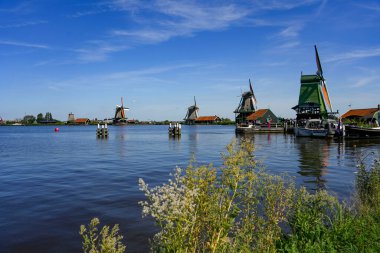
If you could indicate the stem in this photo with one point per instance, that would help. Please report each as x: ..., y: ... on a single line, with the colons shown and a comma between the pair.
x: 225, y: 217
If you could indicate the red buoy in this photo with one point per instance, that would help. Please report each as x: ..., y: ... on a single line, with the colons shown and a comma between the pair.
x: 56, y: 129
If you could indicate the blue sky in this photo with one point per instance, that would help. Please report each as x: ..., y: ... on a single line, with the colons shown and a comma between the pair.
x: 82, y: 56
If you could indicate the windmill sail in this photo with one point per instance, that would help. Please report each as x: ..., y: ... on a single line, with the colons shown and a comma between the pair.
x: 325, y: 93
x: 319, y: 66
x: 253, y: 94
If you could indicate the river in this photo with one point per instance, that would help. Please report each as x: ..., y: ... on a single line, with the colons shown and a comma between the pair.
x: 52, y: 182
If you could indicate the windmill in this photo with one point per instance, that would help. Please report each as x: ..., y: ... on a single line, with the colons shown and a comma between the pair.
x: 192, y: 113
x: 314, y: 101
x: 247, y: 105
x: 120, y: 118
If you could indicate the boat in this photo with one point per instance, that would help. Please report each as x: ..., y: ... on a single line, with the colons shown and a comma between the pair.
x: 362, y: 132
x: 120, y: 118
x: 315, y: 116
x: 263, y: 128
x: 317, y: 128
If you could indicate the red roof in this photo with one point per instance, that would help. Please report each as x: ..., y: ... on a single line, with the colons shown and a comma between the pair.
x: 82, y: 120
x: 257, y: 114
x: 360, y: 113
x: 207, y: 118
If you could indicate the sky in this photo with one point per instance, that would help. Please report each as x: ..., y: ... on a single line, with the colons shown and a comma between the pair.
x: 63, y: 56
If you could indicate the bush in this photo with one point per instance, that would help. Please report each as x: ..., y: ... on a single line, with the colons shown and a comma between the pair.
x: 105, y: 241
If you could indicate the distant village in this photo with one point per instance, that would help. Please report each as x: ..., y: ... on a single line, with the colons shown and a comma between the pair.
x: 192, y: 117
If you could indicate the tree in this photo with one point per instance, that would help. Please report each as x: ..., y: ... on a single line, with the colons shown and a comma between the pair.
x: 40, y: 117
x: 48, y: 116
x: 28, y: 119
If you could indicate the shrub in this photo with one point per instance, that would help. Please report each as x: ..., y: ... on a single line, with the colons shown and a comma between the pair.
x: 105, y: 241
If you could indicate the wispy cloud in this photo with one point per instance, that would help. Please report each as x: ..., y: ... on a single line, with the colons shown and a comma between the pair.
x: 23, y: 44
x: 182, y: 18
x: 365, y: 81
x: 95, y: 51
x: 369, y: 6
x: 146, y: 75
x: 23, y: 24
x: 291, y: 31
x: 357, y: 54
x: 283, y: 4
x: 23, y: 7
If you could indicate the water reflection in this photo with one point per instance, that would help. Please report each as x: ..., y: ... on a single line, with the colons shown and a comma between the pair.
x: 313, y: 161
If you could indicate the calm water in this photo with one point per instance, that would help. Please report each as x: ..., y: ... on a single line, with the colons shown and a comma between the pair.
x: 50, y: 183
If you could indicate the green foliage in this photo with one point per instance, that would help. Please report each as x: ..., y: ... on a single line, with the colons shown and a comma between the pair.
x: 105, y: 241
x: 319, y: 223
x: 240, y: 208
x: 28, y: 119
x: 40, y: 117
x: 237, y: 207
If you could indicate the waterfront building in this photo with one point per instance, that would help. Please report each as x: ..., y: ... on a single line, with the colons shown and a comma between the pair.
x: 82, y: 121
x: 207, y: 120
x: 362, y: 115
x: 263, y: 116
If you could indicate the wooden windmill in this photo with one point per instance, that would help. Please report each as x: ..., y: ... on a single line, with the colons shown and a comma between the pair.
x: 192, y: 113
x: 246, y: 106
x: 120, y: 118
x: 314, y: 101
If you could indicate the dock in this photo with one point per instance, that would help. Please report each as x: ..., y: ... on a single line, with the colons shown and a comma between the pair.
x: 260, y: 129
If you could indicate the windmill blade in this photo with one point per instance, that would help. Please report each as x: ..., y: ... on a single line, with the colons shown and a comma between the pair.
x: 122, y: 102
x: 253, y: 94
x: 250, y: 86
x: 195, y: 102
x: 319, y: 66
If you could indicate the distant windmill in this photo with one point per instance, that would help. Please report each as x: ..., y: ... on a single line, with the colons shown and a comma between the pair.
x: 246, y: 106
x: 192, y: 113
x: 120, y: 118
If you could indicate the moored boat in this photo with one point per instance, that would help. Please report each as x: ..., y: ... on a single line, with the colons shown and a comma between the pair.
x: 317, y: 128
x: 362, y: 132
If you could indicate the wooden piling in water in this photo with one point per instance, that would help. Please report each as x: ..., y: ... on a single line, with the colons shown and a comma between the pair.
x: 175, y: 130
x: 102, y: 131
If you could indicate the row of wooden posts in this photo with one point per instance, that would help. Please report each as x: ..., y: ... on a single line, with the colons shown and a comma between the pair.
x: 102, y: 130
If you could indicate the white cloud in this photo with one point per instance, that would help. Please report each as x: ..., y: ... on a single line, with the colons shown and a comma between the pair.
x: 283, y: 4
x: 180, y: 18
x: 357, y: 54
x: 23, y: 44
x: 98, y: 51
x: 23, y: 24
